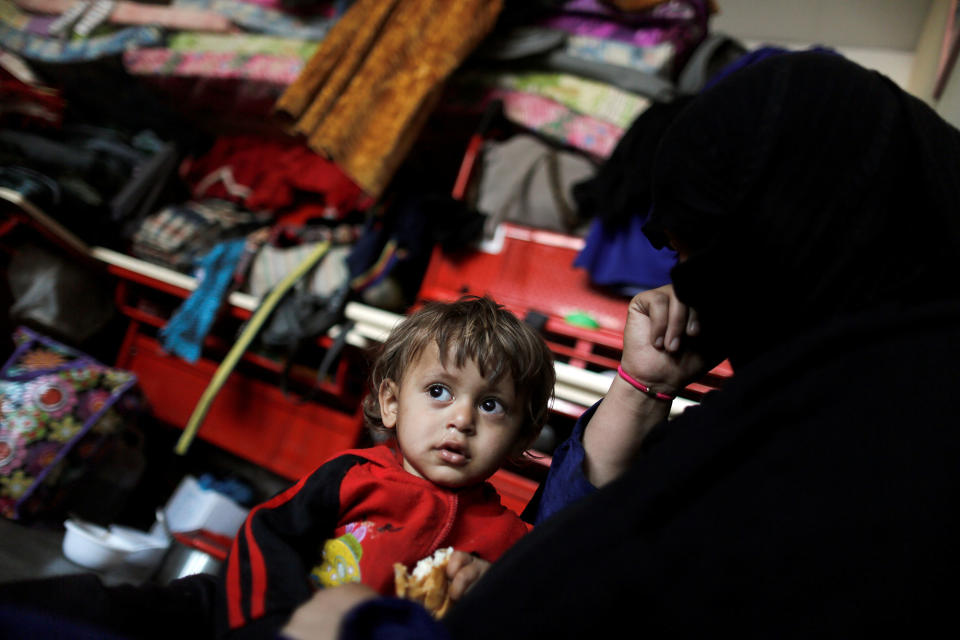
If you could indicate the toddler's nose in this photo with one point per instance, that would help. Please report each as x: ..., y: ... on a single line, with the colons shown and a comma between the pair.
x: 462, y: 419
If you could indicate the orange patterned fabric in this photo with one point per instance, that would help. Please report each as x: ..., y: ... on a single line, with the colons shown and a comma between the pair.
x: 366, y: 93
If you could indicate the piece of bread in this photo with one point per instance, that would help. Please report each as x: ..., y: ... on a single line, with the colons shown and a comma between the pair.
x: 427, y: 583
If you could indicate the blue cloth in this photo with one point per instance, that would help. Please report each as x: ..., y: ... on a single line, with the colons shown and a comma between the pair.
x: 69, y: 50
x: 754, y: 57
x: 18, y: 622
x: 184, y: 333
x: 625, y: 258
x: 566, y: 482
x: 391, y: 619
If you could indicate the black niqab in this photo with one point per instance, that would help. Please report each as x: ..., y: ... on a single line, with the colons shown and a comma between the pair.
x: 806, y: 187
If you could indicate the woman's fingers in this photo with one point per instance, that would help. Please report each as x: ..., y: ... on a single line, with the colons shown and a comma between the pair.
x: 693, y: 323
x: 676, y: 324
x: 655, y: 305
x: 464, y: 570
x: 458, y: 560
x: 669, y: 319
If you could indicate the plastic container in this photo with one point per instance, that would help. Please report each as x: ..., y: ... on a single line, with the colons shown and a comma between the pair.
x: 117, y: 548
x: 193, y: 508
x: 144, y: 551
x: 87, y: 545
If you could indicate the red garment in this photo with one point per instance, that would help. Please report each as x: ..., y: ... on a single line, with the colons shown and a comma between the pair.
x: 272, y: 175
x: 350, y: 520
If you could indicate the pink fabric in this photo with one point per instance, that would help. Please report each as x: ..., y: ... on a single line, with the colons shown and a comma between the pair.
x: 554, y: 119
x: 141, y: 13
x: 280, y: 70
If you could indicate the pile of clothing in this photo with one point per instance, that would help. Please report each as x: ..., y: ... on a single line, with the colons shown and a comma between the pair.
x: 332, y: 99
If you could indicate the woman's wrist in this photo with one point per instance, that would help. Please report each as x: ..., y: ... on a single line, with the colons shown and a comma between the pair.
x: 617, y: 429
x: 658, y: 392
x: 639, y: 408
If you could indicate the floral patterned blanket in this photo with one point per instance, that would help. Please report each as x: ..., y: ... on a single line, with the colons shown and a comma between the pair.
x: 57, y: 408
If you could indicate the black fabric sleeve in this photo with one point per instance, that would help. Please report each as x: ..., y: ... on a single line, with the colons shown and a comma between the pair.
x: 83, y: 606
x: 267, y: 573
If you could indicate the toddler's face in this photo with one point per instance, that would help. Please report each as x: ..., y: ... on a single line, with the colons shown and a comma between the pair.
x: 454, y: 427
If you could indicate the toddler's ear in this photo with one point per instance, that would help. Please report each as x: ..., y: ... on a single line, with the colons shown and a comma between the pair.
x: 522, y: 444
x: 389, y: 403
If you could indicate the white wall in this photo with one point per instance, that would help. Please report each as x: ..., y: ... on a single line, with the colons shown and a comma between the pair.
x: 887, y: 24
x: 878, y: 34
x: 899, y: 38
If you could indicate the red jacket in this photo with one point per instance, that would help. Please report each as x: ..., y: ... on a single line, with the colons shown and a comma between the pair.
x: 350, y: 520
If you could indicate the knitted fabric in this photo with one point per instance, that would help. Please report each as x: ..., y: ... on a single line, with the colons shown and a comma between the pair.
x: 186, y: 330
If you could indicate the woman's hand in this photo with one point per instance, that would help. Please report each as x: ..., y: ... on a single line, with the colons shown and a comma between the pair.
x: 656, y: 341
x: 464, y: 570
x: 320, y: 617
x: 657, y: 351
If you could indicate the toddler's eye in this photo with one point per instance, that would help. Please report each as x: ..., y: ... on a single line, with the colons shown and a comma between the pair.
x: 438, y: 392
x: 492, y: 405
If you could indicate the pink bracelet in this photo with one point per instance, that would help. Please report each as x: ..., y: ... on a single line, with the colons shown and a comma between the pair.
x: 642, y: 387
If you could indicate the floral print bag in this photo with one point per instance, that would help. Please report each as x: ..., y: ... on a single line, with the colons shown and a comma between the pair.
x: 58, y: 407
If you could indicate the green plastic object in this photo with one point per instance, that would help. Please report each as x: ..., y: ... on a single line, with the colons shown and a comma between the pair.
x: 582, y: 319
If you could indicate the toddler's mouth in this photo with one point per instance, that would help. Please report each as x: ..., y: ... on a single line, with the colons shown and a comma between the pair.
x: 453, y: 453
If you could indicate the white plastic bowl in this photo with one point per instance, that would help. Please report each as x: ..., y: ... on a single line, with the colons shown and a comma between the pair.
x: 88, y: 545
x: 143, y: 549
x: 94, y: 547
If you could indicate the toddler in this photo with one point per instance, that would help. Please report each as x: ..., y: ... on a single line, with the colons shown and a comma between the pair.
x: 461, y: 388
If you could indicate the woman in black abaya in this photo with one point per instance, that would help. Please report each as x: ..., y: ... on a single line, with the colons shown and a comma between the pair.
x: 816, y: 209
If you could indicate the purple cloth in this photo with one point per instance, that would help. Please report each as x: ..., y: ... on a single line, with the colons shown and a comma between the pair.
x: 682, y: 22
x: 672, y: 10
